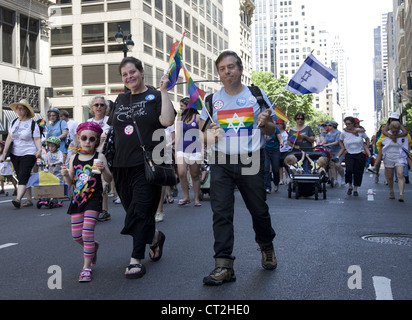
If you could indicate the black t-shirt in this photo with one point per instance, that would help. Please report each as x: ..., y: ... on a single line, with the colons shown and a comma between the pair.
x: 146, y: 108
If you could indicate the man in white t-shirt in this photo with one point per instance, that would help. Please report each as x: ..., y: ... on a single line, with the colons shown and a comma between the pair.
x: 237, y: 131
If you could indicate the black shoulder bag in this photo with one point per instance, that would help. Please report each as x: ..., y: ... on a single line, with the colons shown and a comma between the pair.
x: 158, y: 174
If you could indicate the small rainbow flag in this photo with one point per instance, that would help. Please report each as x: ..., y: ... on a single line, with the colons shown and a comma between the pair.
x: 196, y: 95
x: 175, y: 63
x: 294, y: 137
x: 280, y: 115
x: 42, y: 123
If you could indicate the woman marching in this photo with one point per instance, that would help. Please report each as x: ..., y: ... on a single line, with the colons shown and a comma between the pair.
x: 24, y: 143
x: 151, y: 110
x: 85, y: 173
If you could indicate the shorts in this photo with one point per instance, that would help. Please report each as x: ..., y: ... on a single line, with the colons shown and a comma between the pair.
x: 189, y: 158
x: 393, y: 161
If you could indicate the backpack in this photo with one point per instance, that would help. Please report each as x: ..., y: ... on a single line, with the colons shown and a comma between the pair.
x: 256, y: 92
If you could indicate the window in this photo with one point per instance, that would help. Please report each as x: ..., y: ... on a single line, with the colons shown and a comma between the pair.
x: 159, y: 44
x: 29, y: 31
x: 147, y: 38
x: 62, y: 77
x: 61, y: 37
x: 7, y: 22
x: 93, y: 75
x: 92, y: 33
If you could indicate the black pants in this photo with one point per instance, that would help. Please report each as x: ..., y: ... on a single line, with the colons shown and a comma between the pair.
x: 224, y: 178
x: 355, y: 164
x: 23, y: 166
x: 140, y: 201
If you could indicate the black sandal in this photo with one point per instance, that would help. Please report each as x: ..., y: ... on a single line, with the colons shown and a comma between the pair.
x: 135, y: 275
x: 159, y: 244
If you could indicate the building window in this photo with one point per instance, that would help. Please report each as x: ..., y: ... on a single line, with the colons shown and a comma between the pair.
x: 147, y: 38
x: 93, y: 75
x: 29, y: 31
x: 13, y: 92
x: 7, y: 22
x: 62, y: 77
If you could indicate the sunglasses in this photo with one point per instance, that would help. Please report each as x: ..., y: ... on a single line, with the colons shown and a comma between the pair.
x: 300, y: 119
x: 91, y: 139
x: 348, y: 123
x: 99, y: 105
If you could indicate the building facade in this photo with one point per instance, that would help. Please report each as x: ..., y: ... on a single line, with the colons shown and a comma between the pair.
x: 24, y: 56
x: 85, y: 55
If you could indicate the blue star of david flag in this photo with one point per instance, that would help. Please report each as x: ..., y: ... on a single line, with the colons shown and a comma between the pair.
x: 312, y: 77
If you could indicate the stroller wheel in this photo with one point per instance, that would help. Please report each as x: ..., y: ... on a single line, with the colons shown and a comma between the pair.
x: 324, y: 191
x: 316, y: 192
x: 39, y: 204
x: 297, y: 191
x: 290, y: 190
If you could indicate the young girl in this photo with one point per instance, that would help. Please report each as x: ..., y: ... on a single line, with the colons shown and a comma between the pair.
x: 6, y: 171
x: 293, y: 164
x: 86, y: 203
x: 319, y: 166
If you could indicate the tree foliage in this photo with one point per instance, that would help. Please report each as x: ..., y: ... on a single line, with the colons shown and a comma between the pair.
x: 407, y: 113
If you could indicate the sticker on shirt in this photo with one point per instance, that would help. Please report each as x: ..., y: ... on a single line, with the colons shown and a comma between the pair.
x: 252, y: 100
x: 150, y: 97
x: 235, y: 121
x: 241, y: 102
x: 128, y: 131
x: 218, y: 105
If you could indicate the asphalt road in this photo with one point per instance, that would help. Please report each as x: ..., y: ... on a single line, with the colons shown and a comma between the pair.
x: 319, y: 246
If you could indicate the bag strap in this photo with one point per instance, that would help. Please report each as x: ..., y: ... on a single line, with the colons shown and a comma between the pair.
x: 208, y: 105
x: 135, y: 125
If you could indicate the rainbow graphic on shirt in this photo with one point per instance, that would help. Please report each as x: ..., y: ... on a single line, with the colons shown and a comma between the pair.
x: 236, y: 122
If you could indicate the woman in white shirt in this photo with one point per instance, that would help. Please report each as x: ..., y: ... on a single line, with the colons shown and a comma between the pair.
x: 395, y: 157
x: 355, y: 158
x: 25, y: 146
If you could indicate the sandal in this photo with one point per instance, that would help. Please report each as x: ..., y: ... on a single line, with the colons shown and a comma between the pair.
x: 183, y: 202
x: 94, y: 260
x: 159, y: 244
x: 130, y: 274
x: 16, y: 203
x: 170, y: 198
x: 85, y: 275
x: 28, y: 203
x: 198, y: 204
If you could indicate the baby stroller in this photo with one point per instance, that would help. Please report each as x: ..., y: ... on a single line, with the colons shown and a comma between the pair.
x: 47, y: 188
x: 307, y: 183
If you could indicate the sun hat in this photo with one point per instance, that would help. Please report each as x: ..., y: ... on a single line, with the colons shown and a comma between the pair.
x: 24, y: 103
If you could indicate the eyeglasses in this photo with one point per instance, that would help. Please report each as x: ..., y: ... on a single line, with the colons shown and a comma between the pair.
x: 91, y: 139
x: 99, y: 105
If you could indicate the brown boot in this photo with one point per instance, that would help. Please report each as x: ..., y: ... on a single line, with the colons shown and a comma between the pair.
x: 269, y: 261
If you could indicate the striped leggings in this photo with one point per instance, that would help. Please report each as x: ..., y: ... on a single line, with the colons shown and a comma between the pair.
x: 83, y: 225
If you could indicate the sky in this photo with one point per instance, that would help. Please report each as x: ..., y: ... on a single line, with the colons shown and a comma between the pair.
x: 354, y: 21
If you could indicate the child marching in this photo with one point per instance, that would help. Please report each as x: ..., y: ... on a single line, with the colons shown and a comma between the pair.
x: 85, y: 174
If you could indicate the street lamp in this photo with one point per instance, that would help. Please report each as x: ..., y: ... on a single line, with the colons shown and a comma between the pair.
x: 128, y: 43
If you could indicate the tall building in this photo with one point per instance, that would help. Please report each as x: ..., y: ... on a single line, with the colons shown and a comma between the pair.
x: 378, y: 73
x: 85, y: 55
x: 238, y: 15
x: 283, y: 37
x: 24, y: 61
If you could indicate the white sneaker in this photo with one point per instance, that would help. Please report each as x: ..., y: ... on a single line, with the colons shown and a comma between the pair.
x: 117, y: 201
x: 159, y: 216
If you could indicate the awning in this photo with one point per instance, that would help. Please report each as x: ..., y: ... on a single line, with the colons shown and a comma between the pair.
x: 9, y: 116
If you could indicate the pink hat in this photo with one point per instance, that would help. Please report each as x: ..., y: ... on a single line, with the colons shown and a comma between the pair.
x: 89, y: 125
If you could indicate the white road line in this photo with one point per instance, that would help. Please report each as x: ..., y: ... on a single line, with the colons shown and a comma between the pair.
x: 383, y: 288
x: 371, y: 195
x: 8, y: 245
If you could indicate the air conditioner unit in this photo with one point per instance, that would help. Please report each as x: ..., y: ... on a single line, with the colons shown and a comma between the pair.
x: 48, y: 92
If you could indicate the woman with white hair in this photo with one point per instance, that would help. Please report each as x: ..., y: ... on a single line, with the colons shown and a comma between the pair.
x: 395, y: 157
x: 99, y: 108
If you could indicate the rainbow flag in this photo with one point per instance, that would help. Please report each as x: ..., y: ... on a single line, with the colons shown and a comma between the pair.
x: 236, y: 122
x: 294, y: 137
x: 175, y: 63
x: 42, y: 123
x: 196, y: 95
x: 280, y: 115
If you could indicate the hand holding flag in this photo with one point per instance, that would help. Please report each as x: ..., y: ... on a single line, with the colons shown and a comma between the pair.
x: 294, y: 137
x: 175, y: 63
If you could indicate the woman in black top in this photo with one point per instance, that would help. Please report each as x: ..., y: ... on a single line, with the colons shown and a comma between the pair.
x: 152, y: 111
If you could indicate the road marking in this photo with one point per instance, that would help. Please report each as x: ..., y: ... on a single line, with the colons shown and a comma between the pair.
x: 8, y: 245
x: 371, y: 195
x: 383, y: 288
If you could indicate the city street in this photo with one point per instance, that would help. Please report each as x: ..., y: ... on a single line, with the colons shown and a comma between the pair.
x: 319, y: 246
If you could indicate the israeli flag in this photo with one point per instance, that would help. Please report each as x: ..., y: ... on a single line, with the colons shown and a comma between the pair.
x: 312, y: 77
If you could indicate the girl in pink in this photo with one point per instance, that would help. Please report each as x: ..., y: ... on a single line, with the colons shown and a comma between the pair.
x: 86, y: 203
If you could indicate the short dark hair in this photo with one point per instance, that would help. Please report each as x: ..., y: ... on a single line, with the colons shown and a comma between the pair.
x: 138, y: 64
x: 351, y: 119
x: 228, y: 53
x: 300, y: 114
